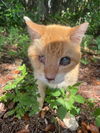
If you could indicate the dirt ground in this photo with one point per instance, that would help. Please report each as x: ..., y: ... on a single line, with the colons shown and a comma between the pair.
x: 44, y: 121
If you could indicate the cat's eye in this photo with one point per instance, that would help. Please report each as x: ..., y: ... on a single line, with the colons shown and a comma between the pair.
x: 42, y: 59
x: 65, y: 61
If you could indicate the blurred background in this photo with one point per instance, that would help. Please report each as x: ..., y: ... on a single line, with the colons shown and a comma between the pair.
x: 66, y: 12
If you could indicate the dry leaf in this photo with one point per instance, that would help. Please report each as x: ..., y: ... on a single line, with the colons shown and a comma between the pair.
x: 49, y: 127
x: 85, y: 128
x: 60, y: 122
x: 23, y: 131
x: 10, y: 77
x: 16, y: 71
x: 2, y: 107
x: 42, y: 113
x: 79, y: 131
x: 26, y: 117
x: 46, y: 108
x: 26, y: 130
x: 96, y: 82
x: 93, y: 128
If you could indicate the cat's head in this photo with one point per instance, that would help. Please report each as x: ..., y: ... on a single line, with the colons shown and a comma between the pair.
x: 55, y: 50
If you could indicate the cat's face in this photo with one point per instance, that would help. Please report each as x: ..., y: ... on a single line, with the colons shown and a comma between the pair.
x: 55, y: 50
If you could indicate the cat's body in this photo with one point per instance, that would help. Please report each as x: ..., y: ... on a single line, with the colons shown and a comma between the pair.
x: 55, y: 54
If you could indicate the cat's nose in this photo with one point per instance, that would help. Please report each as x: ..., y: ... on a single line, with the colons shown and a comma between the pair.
x: 50, y: 78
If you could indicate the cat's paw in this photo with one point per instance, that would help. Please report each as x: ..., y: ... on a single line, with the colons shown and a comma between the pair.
x: 71, y: 123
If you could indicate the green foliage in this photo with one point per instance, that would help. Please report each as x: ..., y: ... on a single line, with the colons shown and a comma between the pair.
x: 84, y: 61
x: 96, y: 113
x: 23, y: 92
x: 90, y: 46
x: 11, y: 12
x: 91, y: 43
x: 63, y: 12
x: 63, y: 100
x: 15, y: 41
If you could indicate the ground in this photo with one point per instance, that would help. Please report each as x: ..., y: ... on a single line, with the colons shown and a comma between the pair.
x: 44, y: 121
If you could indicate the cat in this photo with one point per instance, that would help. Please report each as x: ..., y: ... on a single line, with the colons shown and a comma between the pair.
x: 55, y: 57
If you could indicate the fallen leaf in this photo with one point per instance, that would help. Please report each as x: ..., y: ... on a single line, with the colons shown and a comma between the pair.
x: 15, y: 72
x: 2, y: 107
x: 43, y: 112
x: 84, y: 124
x: 79, y: 131
x: 26, y: 117
x: 93, y: 128
x: 84, y: 127
x: 49, y: 127
x: 23, y: 131
x: 60, y: 122
x: 10, y: 105
x: 96, y: 82
x: 46, y: 108
x: 10, y: 77
x: 26, y: 130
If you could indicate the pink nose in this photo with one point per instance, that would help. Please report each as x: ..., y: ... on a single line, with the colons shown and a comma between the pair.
x: 50, y: 78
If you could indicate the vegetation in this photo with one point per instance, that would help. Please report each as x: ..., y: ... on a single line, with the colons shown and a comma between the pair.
x: 22, y: 91
x: 13, y: 34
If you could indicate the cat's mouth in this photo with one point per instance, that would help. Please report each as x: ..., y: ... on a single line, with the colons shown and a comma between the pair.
x: 58, y: 79
x: 55, y: 81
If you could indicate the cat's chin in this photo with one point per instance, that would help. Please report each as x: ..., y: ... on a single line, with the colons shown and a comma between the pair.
x: 59, y: 80
x: 53, y: 83
x: 56, y: 84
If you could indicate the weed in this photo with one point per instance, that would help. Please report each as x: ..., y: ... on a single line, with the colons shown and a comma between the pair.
x: 23, y: 92
x: 63, y: 100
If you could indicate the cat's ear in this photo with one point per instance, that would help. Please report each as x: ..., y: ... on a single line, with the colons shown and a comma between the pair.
x: 77, y: 33
x: 35, y: 30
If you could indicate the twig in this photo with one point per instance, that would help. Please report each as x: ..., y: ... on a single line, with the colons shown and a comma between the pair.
x: 89, y: 51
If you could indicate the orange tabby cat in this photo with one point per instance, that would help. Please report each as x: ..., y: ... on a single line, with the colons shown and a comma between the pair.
x: 55, y: 56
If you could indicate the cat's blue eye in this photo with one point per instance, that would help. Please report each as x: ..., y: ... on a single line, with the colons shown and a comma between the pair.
x: 42, y: 59
x: 65, y: 61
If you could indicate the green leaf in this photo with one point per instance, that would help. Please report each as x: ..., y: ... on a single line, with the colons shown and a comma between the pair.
x: 71, y: 100
x: 12, y: 53
x: 10, y: 86
x: 76, y: 85
x: 11, y: 112
x: 62, y: 90
x: 79, y: 99
x: 60, y: 101
x: 56, y: 93
x: 62, y: 112
x: 84, y: 61
x: 96, y: 112
x: 98, y: 121
x: 3, y: 98
x: 74, y: 91
x: 73, y: 111
x: 68, y: 105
